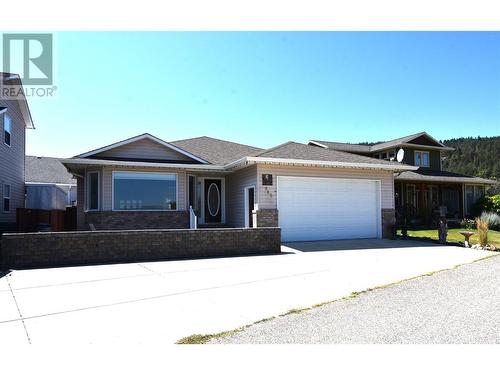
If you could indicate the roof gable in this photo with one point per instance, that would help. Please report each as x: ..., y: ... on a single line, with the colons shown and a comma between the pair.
x: 144, y: 147
x: 421, y: 138
x: 425, y: 140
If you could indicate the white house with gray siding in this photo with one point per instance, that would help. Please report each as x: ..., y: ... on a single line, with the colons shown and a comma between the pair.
x: 312, y: 193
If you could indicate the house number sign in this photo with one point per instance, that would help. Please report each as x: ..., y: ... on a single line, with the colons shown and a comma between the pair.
x: 267, y: 179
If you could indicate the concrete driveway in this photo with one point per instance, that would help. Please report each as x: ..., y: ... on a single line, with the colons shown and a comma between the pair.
x: 161, y: 302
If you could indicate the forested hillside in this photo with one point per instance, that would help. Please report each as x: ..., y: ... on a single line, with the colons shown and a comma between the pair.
x: 474, y: 156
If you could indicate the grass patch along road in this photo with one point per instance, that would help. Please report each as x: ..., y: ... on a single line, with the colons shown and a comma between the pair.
x: 455, y: 236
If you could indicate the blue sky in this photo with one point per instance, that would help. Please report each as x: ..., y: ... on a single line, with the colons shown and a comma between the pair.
x: 265, y: 88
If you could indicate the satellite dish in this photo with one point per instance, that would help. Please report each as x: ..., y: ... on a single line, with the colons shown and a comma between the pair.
x: 400, y: 155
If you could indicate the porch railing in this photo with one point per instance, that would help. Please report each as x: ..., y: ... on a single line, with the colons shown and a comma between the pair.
x: 193, y: 220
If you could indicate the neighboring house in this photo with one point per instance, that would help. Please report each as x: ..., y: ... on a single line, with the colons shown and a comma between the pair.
x: 49, y: 186
x: 428, y: 192
x: 310, y: 192
x: 15, y: 118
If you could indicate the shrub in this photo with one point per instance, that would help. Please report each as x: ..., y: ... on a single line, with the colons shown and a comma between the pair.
x: 489, y: 203
x: 482, y: 231
x: 492, y: 218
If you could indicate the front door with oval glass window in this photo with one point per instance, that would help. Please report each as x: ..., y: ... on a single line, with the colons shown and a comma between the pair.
x: 213, y: 201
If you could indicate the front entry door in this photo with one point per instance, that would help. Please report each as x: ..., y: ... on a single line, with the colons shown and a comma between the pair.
x: 213, y: 201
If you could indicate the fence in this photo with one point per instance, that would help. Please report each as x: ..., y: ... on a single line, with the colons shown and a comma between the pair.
x: 34, y: 220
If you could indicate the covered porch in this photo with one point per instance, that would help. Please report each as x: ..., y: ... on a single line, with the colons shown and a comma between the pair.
x: 422, y: 196
x: 421, y: 203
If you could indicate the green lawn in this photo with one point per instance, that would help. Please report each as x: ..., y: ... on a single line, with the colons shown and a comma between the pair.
x: 455, y: 236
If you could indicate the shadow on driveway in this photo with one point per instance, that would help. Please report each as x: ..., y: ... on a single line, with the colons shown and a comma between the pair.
x: 4, y: 273
x: 353, y: 245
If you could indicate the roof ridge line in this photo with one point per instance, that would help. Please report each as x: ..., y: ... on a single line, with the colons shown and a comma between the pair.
x: 216, y: 139
x: 273, y: 148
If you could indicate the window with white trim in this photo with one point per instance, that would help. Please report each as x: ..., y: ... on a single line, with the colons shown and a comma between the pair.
x: 93, y: 191
x: 6, y: 198
x: 142, y: 191
x: 7, y: 130
x: 422, y: 158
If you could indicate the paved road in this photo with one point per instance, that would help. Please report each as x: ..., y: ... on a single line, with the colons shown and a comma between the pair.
x: 455, y: 306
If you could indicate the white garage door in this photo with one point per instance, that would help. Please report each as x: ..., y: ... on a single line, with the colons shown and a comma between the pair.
x: 312, y: 209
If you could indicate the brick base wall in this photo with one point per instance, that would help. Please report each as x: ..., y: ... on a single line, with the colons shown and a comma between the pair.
x: 267, y: 218
x: 388, y: 222
x: 129, y: 220
x: 36, y: 250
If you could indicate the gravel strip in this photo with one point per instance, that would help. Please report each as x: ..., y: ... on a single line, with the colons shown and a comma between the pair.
x: 456, y: 306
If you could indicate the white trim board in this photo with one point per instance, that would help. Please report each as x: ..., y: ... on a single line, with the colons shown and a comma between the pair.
x: 318, y: 144
x: 244, y: 162
x: 98, y: 162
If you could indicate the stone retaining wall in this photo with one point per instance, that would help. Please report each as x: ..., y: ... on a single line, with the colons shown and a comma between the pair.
x: 37, y: 250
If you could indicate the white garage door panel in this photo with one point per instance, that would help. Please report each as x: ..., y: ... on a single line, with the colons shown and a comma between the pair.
x: 328, y: 208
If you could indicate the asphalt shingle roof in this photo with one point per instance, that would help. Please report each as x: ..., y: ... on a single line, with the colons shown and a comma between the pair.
x: 352, y: 147
x: 45, y: 169
x: 349, y: 147
x: 216, y: 151
x: 293, y: 150
x: 427, y: 175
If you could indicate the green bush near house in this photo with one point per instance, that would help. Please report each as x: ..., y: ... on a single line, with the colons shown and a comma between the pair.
x: 489, y: 203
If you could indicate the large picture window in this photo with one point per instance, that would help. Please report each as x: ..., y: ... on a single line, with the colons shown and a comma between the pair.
x: 140, y: 191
